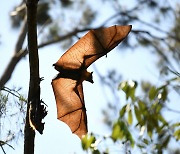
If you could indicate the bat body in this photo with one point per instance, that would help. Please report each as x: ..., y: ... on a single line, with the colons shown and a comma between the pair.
x: 72, y: 65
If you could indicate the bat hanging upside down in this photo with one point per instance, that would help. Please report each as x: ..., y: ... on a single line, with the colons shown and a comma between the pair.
x: 72, y: 65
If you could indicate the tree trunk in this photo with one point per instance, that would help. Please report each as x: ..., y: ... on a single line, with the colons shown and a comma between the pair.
x: 34, y: 87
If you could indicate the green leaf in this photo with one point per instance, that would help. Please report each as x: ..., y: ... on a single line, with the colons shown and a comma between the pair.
x: 122, y: 111
x: 95, y: 152
x: 177, y: 134
x: 132, y: 94
x: 126, y: 134
x: 138, y: 114
x: 130, y: 138
x: 166, y: 141
x: 86, y: 141
x: 146, y: 141
x: 120, y: 131
x: 145, y: 86
x: 164, y: 94
x: 132, y: 89
x: 123, y: 86
x: 176, y: 124
x: 153, y: 93
x: 141, y: 105
x: 130, y: 117
x: 117, y: 133
x: 129, y: 88
x: 149, y: 129
x: 141, y: 146
x: 158, y: 108
x: 161, y: 118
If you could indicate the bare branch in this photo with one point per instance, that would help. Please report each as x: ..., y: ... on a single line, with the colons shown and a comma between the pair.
x: 61, y: 38
x: 148, y: 33
x: 19, y: 53
x: 16, y: 57
x: 3, y: 149
x: 150, y: 25
x: 5, y: 143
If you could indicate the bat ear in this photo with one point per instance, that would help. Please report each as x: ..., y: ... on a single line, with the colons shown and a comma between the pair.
x: 90, y: 78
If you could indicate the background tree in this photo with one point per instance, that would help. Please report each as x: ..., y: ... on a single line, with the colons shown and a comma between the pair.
x: 155, y: 30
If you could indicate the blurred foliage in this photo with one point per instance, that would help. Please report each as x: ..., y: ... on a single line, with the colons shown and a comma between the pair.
x: 19, y: 13
x: 143, y: 114
x: 66, y: 3
x: 12, y: 115
x: 89, y: 142
x: 174, y: 45
x: 54, y: 16
x: 121, y: 132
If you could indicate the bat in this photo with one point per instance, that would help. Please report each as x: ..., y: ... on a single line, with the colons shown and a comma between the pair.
x: 72, y: 65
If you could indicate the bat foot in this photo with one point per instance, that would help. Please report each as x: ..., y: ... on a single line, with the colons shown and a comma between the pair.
x: 41, y: 79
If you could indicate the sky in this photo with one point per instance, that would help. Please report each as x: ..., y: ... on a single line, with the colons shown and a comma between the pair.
x: 135, y: 65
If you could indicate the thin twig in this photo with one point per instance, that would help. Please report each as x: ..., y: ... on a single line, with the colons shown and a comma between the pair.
x: 3, y: 149
x: 10, y: 91
x: 172, y: 110
x: 5, y: 143
x: 148, y: 33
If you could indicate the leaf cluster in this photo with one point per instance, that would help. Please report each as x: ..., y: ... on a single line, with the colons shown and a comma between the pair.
x: 143, y: 115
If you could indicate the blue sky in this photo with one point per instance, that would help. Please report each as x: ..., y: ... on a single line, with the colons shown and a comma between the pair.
x: 134, y: 65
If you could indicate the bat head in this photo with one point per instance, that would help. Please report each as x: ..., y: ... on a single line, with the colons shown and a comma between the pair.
x: 90, y: 77
x: 87, y: 76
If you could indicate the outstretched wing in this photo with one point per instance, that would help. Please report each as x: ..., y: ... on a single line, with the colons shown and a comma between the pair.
x: 92, y: 46
x: 70, y: 104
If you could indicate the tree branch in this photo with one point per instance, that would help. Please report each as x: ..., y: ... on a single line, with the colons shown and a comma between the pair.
x: 34, y: 87
x: 148, y: 33
x: 21, y: 53
x: 66, y: 36
x: 16, y: 57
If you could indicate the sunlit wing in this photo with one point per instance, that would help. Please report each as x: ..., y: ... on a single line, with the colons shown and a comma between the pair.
x: 70, y: 104
x: 92, y: 46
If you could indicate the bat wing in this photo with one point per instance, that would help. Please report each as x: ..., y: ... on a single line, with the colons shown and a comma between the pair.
x: 70, y: 104
x: 92, y: 46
